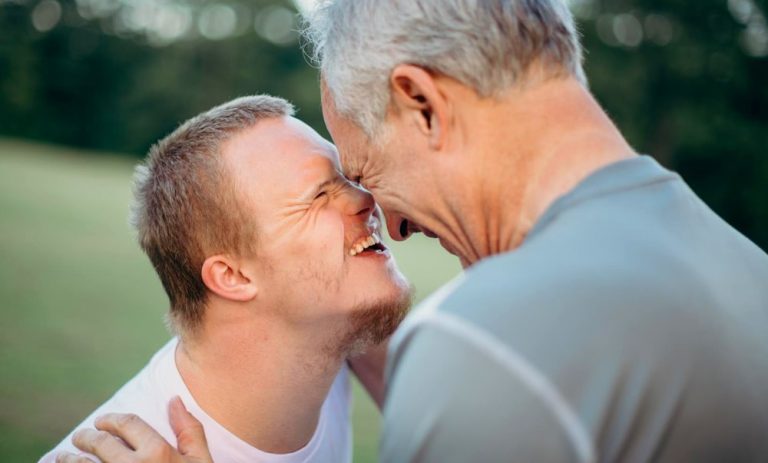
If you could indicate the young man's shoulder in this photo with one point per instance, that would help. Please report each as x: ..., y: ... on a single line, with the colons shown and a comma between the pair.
x: 146, y: 395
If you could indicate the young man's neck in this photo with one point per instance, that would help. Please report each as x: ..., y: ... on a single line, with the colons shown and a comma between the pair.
x: 261, y: 380
x: 546, y: 140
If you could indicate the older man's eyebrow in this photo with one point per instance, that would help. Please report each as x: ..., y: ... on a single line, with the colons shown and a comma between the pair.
x: 350, y: 175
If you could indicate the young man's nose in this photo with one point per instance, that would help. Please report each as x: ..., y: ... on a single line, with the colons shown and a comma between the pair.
x: 359, y: 203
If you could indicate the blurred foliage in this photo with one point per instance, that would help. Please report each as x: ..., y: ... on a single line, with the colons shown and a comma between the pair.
x: 83, y: 85
x: 687, y: 82
x: 690, y: 93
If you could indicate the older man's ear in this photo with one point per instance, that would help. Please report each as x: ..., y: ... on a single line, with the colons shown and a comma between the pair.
x: 228, y: 278
x: 418, y: 97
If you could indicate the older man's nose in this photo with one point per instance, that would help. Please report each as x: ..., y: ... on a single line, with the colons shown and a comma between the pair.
x: 398, y: 227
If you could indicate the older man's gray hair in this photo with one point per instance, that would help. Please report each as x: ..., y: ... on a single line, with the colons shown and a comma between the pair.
x: 485, y: 44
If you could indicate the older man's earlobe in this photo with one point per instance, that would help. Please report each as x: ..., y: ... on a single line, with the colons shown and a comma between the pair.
x: 417, y: 96
x: 225, y: 277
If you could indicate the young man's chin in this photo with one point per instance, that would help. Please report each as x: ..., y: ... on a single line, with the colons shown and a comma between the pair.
x: 374, y: 322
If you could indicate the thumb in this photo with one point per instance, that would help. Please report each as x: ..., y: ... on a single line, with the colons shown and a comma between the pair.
x: 190, y: 436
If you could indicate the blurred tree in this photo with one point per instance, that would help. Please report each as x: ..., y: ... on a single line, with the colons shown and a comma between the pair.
x: 687, y: 82
x: 101, y: 75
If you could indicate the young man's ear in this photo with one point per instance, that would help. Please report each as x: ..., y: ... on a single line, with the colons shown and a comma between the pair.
x: 416, y: 94
x: 225, y: 277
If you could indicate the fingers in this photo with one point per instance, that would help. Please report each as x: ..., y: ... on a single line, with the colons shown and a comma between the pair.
x: 102, y: 444
x: 130, y: 428
x: 71, y: 458
x: 190, y: 436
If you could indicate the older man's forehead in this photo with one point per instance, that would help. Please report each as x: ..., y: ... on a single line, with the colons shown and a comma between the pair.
x: 344, y: 161
x: 352, y: 160
x: 348, y: 137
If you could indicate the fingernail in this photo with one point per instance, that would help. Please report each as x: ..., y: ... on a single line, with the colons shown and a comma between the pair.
x: 176, y: 401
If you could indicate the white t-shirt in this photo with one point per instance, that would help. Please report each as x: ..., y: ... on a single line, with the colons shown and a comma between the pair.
x: 148, y: 393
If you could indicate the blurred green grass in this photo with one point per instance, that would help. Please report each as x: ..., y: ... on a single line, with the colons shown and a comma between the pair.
x: 80, y: 306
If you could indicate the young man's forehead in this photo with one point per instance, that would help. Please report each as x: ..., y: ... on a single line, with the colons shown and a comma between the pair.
x: 279, y: 158
x: 318, y: 167
x: 307, y: 164
x: 284, y: 136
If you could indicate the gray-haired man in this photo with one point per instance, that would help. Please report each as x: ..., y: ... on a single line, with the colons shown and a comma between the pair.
x: 606, y: 313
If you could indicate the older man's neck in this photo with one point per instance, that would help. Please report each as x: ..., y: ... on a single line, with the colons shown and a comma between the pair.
x: 261, y: 381
x: 547, y: 140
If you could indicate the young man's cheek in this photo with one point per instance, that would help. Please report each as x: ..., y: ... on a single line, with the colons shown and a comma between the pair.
x: 328, y: 233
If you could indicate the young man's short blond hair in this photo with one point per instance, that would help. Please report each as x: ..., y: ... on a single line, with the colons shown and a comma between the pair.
x: 185, y: 206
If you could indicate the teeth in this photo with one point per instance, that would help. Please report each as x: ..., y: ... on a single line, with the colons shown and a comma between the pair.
x: 363, y: 244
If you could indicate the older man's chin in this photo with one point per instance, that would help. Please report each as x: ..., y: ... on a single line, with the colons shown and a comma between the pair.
x: 373, y: 323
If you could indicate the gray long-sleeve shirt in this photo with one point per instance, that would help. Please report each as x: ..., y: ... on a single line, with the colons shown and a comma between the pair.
x: 630, y: 326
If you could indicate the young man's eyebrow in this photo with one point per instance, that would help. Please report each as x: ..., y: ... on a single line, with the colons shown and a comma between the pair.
x: 312, y: 192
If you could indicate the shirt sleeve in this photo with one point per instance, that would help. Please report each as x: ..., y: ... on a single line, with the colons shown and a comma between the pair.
x: 450, y: 401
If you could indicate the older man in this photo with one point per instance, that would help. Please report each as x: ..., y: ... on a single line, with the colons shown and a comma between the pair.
x: 275, y: 271
x: 606, y: 314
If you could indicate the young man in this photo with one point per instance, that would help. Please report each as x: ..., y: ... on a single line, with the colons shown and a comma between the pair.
x: 275, y: 271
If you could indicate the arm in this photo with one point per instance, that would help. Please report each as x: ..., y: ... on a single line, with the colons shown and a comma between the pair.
x: 115, y: 430
x: 369, y: 369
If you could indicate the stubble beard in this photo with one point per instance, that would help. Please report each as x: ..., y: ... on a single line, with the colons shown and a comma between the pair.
x: 372, y: 323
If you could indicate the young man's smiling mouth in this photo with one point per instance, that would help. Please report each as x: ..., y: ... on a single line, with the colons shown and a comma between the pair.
x: 366, y: 244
